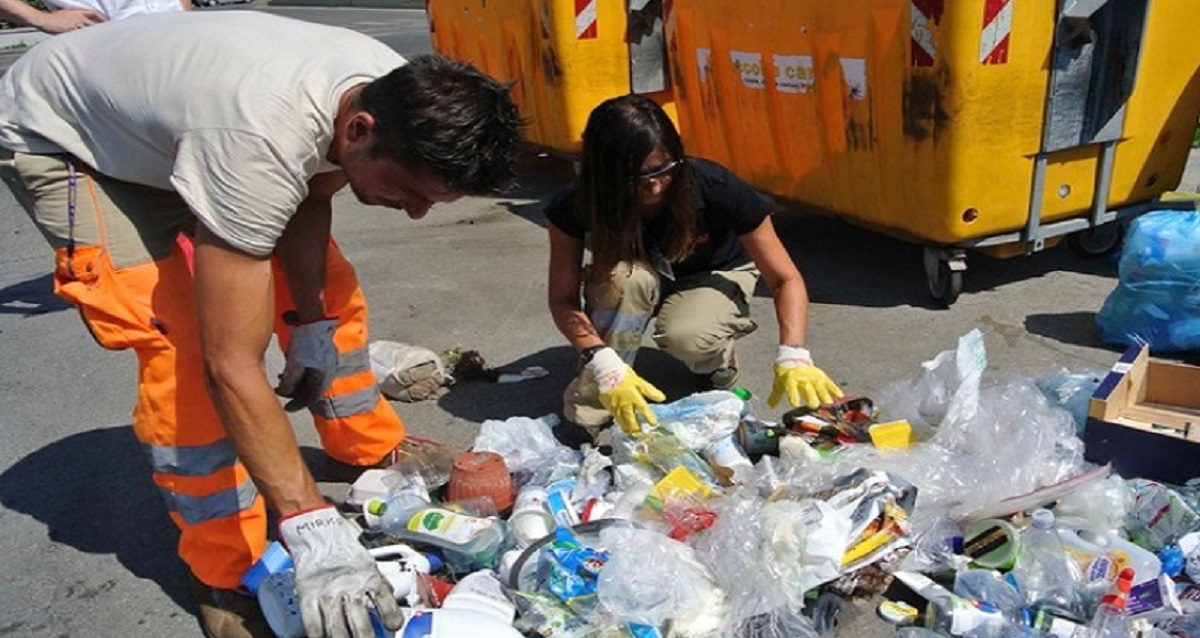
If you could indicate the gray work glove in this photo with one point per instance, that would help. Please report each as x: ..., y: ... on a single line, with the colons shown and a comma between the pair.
x: 336, y: 579
x: 312, y: 362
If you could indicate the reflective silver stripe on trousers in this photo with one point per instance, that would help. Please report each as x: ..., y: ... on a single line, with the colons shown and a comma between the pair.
x: 192, y: 460
x: 349, y: 364
x: 353, y: 362
x: 348, y: 405
x: 198, y: 509
x: 622, y: 332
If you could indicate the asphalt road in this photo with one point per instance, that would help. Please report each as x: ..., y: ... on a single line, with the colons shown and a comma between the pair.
x: 85, y: 545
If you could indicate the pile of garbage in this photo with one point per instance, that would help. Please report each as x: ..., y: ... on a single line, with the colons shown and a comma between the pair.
x: 962, y: 505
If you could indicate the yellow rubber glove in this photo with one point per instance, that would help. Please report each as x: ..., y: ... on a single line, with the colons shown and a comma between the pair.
x: 795, y: 375
x: 622, y: 392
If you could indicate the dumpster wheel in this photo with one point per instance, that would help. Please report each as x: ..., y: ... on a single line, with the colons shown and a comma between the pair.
x: 1098, y: 241
x: 944, y: 269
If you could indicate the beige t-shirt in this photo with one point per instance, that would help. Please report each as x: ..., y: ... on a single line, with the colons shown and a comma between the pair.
x: 234, y: 110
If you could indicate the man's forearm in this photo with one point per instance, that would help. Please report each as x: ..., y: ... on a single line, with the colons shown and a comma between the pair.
x: 263, y: 438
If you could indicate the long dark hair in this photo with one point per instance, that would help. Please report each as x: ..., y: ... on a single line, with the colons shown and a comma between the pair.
x: 621, y: 132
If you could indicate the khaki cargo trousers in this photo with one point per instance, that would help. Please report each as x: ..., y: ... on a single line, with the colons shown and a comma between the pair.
x: 697, y: 319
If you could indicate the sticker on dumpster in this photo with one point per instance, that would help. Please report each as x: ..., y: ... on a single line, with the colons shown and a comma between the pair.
x: 854, y: 72
x: 926, y: 14
x: 749, y: 67
x: 704, y: 63
x: 997, y: 27
x: 793, y: 73
x: 585, y: 19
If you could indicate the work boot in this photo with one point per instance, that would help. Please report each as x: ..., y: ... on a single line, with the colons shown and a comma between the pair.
x: 229, y: 613
x: 435, y: 457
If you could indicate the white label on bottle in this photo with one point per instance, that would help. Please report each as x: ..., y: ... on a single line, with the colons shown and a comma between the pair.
x: 455, y: 528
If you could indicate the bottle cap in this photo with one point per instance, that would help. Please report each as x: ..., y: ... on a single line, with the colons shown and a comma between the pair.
x: 376, y: 506
x: 1043, y: 518
x: 742, y: 393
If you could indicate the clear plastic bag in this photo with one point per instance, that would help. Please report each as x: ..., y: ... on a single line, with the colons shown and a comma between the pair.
x: 1072, y: 391
x: 1101, y: 506
x: 651, y: 579
x: 1157, y: 298
x: 997, y: 437
x: 700, y: 419
x: 527, y: 445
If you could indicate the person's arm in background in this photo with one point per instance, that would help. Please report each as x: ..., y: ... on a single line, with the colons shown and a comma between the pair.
x: 53, y: 22
x: 565, y: 279
x: 795, y: 375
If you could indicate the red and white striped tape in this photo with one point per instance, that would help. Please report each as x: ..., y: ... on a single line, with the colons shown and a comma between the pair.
x: 585, y: 19
x: 997, y: 31
x: 925, y: 15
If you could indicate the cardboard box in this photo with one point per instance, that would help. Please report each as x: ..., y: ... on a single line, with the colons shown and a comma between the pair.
x: 1145, y: 419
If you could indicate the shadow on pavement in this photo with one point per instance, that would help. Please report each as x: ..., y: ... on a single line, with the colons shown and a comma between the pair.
x: 33, y: 297
x: 93, y: 492
x: 478, y: 401
x: 1074, y: 328
x: 848, y: 265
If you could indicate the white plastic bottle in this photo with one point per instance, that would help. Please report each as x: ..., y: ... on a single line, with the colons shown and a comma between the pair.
x: 1041, y: 569
x: 455, y: 623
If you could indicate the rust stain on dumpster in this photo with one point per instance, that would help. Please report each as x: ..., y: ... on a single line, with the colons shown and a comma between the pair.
x: 924, y: 117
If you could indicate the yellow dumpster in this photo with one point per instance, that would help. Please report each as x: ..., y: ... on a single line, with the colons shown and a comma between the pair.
x: 988, y: 124
x: 563, y: 56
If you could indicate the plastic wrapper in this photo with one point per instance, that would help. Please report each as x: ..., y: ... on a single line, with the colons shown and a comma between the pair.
x: 549, y: 617
x: 570, y: 570
x: 699, y: 419
x: 735, y: 551
x: 937, y: 547
x: 1101, y: 506
x: 945, y: 393
x: 804, y: 542
x: 1160, y: 515
x: 526, y: 444
x: 651, y: 579
x: 1157, y: 298
x: 878, y: 506
x: 1072, y: 391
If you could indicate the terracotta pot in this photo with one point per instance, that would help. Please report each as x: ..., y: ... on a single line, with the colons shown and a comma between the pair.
x: 481, y: 474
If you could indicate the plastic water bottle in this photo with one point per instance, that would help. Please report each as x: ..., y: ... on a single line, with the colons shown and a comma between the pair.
x: 1041, y: 570
x: 956, y: 616
x: 1109, y: 621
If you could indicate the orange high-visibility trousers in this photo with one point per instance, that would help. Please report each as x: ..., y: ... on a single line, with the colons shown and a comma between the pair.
x: 133, y: 286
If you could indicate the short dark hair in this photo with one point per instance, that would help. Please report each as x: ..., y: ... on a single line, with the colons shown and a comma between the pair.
x: 446, y: 117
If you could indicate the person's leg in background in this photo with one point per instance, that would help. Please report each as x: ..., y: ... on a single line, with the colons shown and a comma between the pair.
x: 702, y: 317
x: 357, y: 425
x: 117, y: 261
x: 619, y: 308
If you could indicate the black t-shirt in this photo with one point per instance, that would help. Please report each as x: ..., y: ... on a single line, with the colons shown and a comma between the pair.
x: 730, y: 207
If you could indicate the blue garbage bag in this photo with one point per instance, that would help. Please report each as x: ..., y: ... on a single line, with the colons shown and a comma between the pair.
x: 1157, y: 298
